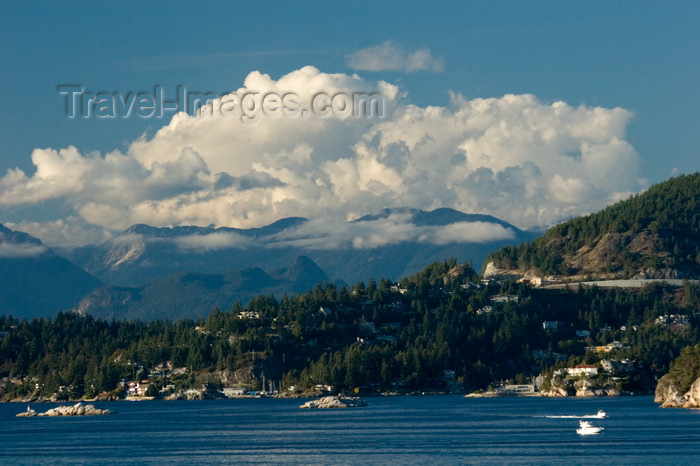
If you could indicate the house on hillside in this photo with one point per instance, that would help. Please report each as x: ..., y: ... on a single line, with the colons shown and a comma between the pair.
x: 673, y: 319
x: 505, y: 299
x: 587, y: 370
x: 615, y: 366
x: 519, y: 388
x: 612, y: 346
x: 233, y: 392
x: 137, y: 388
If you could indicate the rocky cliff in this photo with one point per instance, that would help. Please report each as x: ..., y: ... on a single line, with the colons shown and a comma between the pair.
x: 668, y: 394
x: 680, y: 388
x: 582, y: 387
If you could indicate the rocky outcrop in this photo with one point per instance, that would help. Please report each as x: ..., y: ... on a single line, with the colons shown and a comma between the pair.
x: 680, y: 388
x: 589, y: 387
x: 693, y: 395
x: 335, y: 402
x: 79, y: 409
x: 555, y: 392
x: 668, y: 394
x: 493, y: 271
x: 582, y: 387
x: 195, y: 394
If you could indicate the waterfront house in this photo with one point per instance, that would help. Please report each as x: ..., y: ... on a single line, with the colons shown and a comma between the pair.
x: 587, y: 370
x: 137, y: 388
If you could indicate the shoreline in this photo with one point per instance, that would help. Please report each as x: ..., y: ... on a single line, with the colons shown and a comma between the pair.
x: 316, y: 396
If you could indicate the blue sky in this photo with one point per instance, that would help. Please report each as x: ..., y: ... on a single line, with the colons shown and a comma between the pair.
x: 630, y: 66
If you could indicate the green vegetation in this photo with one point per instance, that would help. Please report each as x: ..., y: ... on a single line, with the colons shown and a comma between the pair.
x: 375, y: 336
x: 658, y: 229
x: 685, y: 369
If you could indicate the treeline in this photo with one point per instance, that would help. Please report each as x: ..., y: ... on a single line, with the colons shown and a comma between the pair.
x: 669, y: 211
x: 374, y: 336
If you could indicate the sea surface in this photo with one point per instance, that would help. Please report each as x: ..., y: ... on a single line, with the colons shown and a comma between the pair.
x: 412, y: 430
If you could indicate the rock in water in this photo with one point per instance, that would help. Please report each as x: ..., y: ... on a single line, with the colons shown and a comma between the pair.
x: 335, y: 402
x: 78, y: 409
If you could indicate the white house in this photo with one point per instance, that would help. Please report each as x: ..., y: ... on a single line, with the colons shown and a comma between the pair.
x: 137, y: 388
x: 582, y: 369
x: 232, y: 392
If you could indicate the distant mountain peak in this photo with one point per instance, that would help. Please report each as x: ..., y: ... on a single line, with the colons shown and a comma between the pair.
x: 306, y: 269
x: 387, y: 212
x: 140, y: 229
x: 348, y: 253
x: 186, y: 230
x: 438, y: 217
x: 17, y: 237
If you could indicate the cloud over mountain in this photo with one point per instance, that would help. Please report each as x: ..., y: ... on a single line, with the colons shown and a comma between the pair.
x: 515, y: 157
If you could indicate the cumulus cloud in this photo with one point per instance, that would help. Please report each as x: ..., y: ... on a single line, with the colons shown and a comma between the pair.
x: 528, y: 162
x: 388, y: 56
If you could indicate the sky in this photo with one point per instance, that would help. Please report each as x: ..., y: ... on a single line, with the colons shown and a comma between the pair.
x: 534, y: 112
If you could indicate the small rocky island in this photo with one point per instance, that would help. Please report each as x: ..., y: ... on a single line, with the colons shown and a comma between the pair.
x: 335, y: 402
x: 78, y: 409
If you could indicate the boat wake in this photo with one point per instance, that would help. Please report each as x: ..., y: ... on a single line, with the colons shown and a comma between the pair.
x: 599, y: 415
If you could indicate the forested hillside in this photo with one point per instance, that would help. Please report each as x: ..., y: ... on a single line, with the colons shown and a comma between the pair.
x: 374, y: 336
x: 655, y: 234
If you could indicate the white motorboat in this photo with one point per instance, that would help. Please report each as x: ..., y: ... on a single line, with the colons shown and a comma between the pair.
x: 586, y: 428
x: 600, y: 414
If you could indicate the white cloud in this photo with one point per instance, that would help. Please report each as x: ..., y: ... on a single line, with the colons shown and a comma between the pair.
x: 474, y: 232
x: 213, y: 241
x: 70, y: 232
x: 20, y: 251
x: 323, y: 233
x: 388, y: 56
x: 525, y: 161
x: 394, y: 229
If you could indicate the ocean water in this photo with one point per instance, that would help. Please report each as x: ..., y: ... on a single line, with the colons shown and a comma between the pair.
x: 390, y: 430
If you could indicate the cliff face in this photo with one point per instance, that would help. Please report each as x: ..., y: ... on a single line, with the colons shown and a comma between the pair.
x: 583, y: 387
x: 668, y: 395
x: 680, y: 388
x: 555, y: 392
x: 588, y: 387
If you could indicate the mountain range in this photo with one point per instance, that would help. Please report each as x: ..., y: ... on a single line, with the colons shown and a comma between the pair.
x: 185, y: 271
x: 391, y: 244
x: 192, y: 295
x: 159, y: 272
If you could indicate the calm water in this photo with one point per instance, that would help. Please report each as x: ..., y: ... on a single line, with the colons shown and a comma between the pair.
x: 391, y: 430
